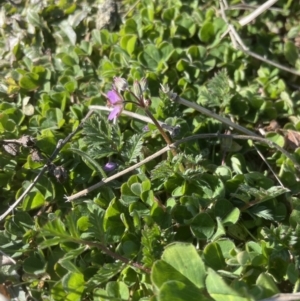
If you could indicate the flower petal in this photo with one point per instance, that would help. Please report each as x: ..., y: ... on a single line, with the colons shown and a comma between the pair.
x: 110, y: 166
x: 113, y: 97
x: 115, y: 112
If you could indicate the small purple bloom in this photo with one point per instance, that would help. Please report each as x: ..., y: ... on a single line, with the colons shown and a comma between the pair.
x: 115, y: 101
x: 113, y: 97
x: 115, y: 112
x: 146, y: 128
x: 110, y: 166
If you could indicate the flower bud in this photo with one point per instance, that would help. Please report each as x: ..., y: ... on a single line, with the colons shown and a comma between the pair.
x: 137, y: 90
x: 147, y: 103
x: 144, y: 84
x: 165, y: 88
x: 120, y: 83
x: 110, y: 166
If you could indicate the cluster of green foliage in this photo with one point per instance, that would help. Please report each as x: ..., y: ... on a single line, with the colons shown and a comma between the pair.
x: 222, y: 229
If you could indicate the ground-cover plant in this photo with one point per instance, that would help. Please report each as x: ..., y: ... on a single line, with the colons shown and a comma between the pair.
x: 147, y: 155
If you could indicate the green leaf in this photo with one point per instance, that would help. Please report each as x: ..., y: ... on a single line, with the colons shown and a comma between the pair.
x: 117, y: 290
x: 19, y: 223
x: 127, y: 194
x: 220, y: 230
x: 267, y: 282
x: 146, y: 185
x: 291, y: 52
x: 213, y: 256
x: 150, y: 57
x: 54, y: 227
x: 166, y: 50
x: 179, y: 191
x: 193, y: 269
x: 179, y: 291
x: 130, y: 27
x: 34, y: 19
x: 33, y: 200
x: 276, y: 138
x: 185, y: 26
x: 182, y: 64
x: 74, y: 284
x: 68, y: 60
x: 113, y: 225
x: 148, y: 197
x: 128, y: 43
x: 58, y: 292
x: 96, y: 219
x: 228, y: 214
x: 237, y: 231
x: 133, y: 148
x: 51, y: 242
x: 169, y: 14
x: 152, y: 248
x: 68, y: 31
x: 34, y: 264
x: 227, y: 246
x: 202, y: 226
x: 83, y: 223
x: 106, y: 272
x: 29, y: 82
x: 207, y: 32
x: 136, y: 188
x: 69, y: 266
x: 220, y: 291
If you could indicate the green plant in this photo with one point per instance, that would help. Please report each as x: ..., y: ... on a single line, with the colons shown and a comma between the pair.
x: 186, y: 189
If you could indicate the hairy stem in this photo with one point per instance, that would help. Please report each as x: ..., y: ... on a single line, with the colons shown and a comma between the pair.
x: 164, y: 135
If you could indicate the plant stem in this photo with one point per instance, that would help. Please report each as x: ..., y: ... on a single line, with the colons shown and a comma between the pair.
x: 164, y: 135
x: 113, y: 254
x: 162, y: 132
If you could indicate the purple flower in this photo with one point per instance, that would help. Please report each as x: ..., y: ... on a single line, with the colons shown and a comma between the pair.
x: 113, y: 97
x: 115, y: 101
x: 115, y: 112
x: 110, y: 166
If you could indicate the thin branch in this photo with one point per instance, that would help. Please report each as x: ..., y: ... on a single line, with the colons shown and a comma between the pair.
x: 238, y: 43
x: 244, y: 21
x: 124, y: 112
x: 269, y: 166
x: 251, y: 7
x: 174, y: 97
x: 150, y: 116
x: 283, y: 297
x: 112, y: 254
x: 211, y: 114
x: 123, y: 172
x: 279, y: 66
x: 59, y: 146
x: 242, y: 137
x: 174, y: 145
x: 164, y: 135
x: 131, y: 8
x: 171, y: 129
